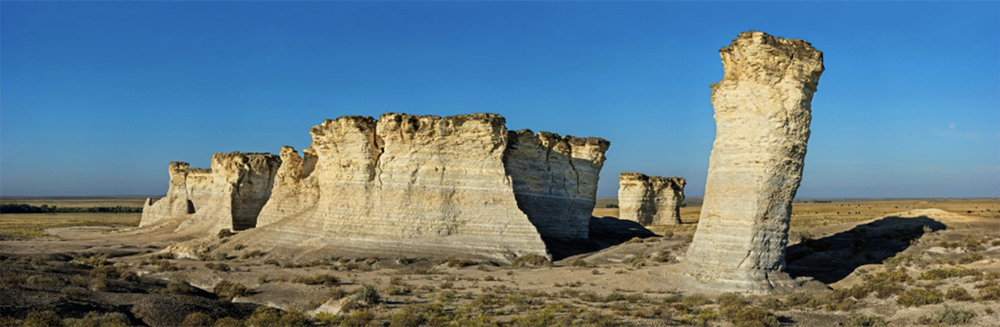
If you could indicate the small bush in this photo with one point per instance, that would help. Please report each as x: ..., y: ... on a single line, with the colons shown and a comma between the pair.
x: 358, y: 318
x: 453, y: 262
x: 225, y: 232
x: 531, y: 260
x: 39, y: 279
x: 989, y: 293
x: 754, y: 317
x: 948, y: 272
x: 267, y: 316
x: 42, y: 319
x: 948, y: 316
x: 76, y: 293
x: 920, y: 296
x: 321, y: 279
x: 730, y: 304
x: 228, y: 322
x: 197, y: 319
x: 958, y: 294
x: 227, y: 290
x: 177, y: 288
x: 369, y: 295
x: 252, y: 254
x: 96, y: 319
x: 862, y: 320
x: 580, y: 263
x: 798, y: 299
x: 217, y: 266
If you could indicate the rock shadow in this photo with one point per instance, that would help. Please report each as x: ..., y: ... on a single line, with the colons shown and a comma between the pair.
x: 604, y: 233
x: 835, y: 257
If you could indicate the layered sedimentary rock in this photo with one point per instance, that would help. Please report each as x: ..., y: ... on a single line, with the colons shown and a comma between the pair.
x: 431, y: 185
x: 762, y: 114
x: 555, y: 180
x: 229, y: 195
x: 650, y: 200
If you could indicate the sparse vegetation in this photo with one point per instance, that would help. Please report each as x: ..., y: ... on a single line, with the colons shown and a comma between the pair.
x: 531, y: 260
x: 920, y: 296
x: 321, y: 279
x: 947, y: 316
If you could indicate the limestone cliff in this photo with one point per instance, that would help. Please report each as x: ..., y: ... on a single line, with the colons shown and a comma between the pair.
x: 762, y: 114
x: 431, y: 185
x: 229, y: 195
x: 555, y: 180
x: 650, y: 200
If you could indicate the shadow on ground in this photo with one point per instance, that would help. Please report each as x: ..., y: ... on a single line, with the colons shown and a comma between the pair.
x: 834, y: 257
x: 604, y: 233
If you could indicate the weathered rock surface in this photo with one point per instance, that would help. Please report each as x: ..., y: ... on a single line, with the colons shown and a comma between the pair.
x: 555, y: 180
x: 762, y: 114
x: 229, y: 195
x: 424, y: 185
x: 650, y: 200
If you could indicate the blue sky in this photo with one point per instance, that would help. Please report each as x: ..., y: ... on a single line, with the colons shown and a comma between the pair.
x: 97, y: 97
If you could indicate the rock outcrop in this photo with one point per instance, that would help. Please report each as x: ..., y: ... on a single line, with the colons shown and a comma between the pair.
x: 555, y: 180
x: 422, y: 185
x: 229, y: 195
x: 650, y: 200
x: 762, y: 115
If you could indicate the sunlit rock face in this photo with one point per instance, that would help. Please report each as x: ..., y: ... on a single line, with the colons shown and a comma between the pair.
x: 762, y: 114
x: 422, y: 185
x: 229, y: 195
x: 650, y: 200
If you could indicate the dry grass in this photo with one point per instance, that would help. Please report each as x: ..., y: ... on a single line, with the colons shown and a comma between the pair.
x: 23, y: 226
x: 87, y: 202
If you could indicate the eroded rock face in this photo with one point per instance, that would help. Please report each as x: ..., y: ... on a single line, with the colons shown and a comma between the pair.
x: 650, y: 200
x: 229, y: 195
x: 762, y: 115
x: 555, y: 180
x: 423, y: 185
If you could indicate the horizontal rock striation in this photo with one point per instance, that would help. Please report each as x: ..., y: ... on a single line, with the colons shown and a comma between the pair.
x: 650, y: 200
x: 762, y: 114
x: 555, y: 180
x: 229, y: 195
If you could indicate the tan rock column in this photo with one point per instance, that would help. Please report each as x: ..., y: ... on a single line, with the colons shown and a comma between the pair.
x: 762, y: 114
x: 174, y: 204
x: 668, y: 195
x: 650, y: 200
x: 635, y: 198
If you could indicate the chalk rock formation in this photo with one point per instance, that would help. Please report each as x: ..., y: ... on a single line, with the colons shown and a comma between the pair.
x: 650, y: 200
x: 426, y: 184
x: 555, y: 180
x: 229, y: 195
x: 762, y: 115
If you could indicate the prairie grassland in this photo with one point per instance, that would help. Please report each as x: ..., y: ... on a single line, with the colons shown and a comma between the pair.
x: 807, y: 213
x: 22, y: 226
x: 80, y: 202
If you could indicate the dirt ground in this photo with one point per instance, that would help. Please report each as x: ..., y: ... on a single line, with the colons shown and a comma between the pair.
x: 885, y: 262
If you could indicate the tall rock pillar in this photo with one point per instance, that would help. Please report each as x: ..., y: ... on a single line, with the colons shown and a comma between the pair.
x: 762, y: 113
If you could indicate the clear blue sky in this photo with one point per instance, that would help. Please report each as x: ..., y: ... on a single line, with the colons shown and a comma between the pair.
x: 97, y: 97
